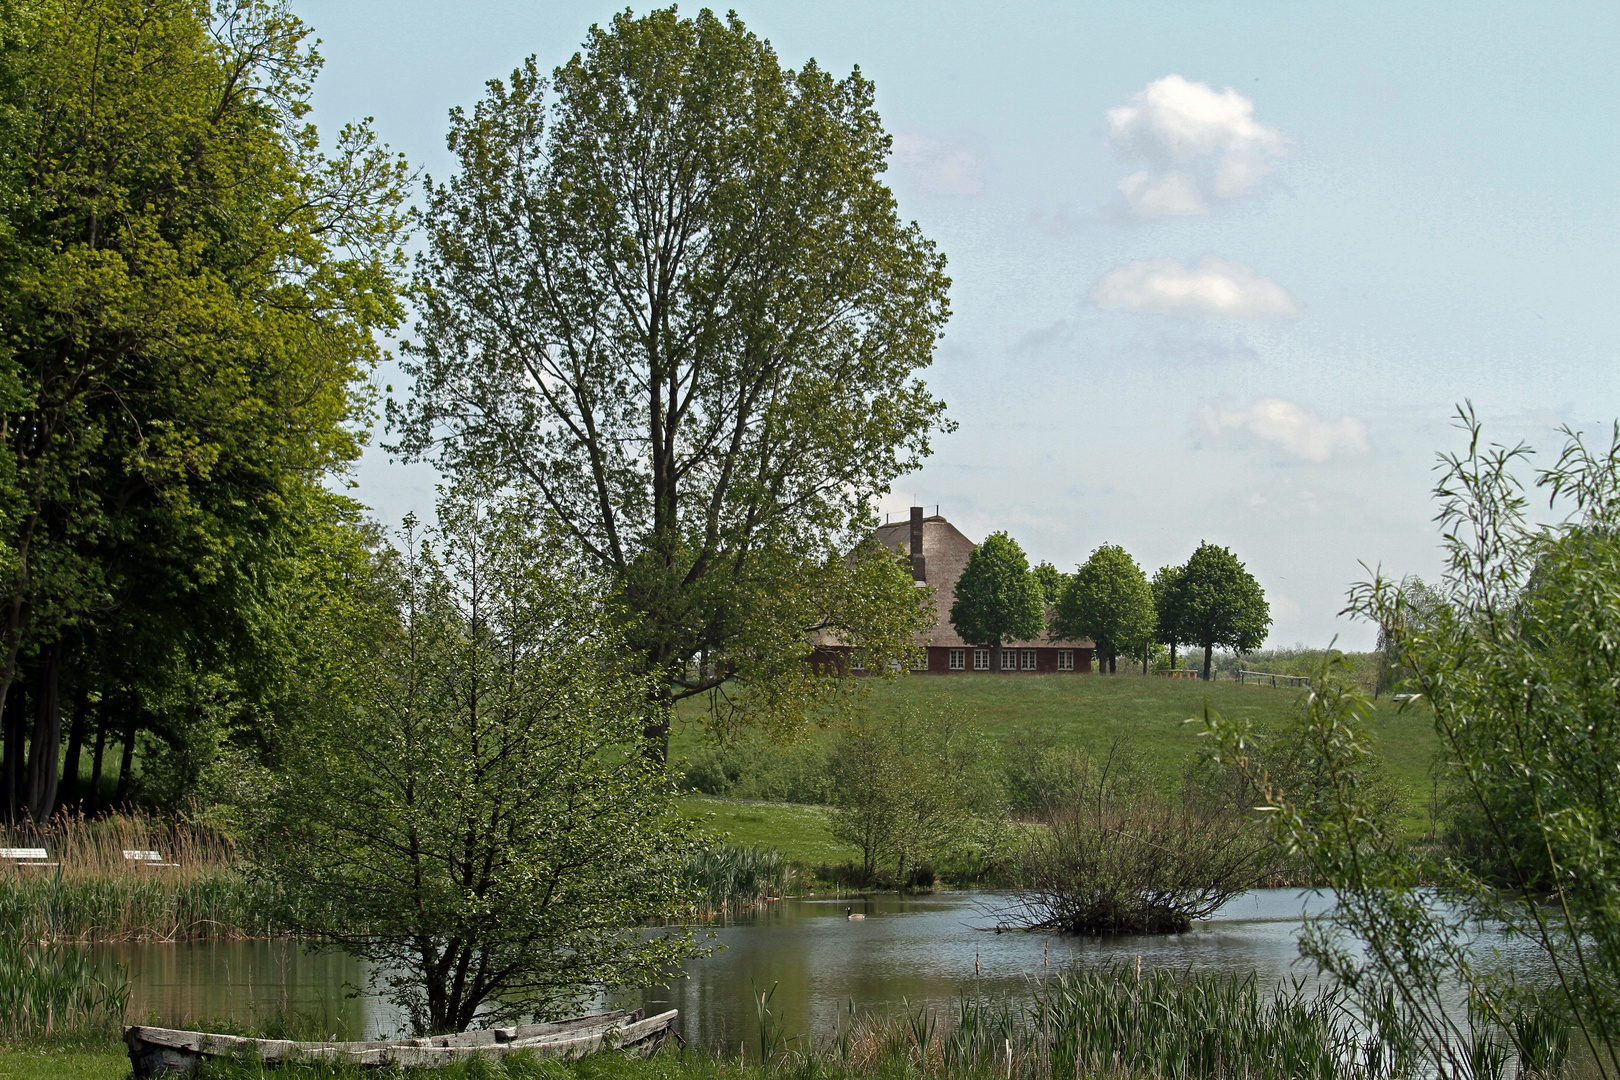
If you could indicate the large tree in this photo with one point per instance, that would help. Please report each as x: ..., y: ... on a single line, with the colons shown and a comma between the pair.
x: 1109, y: 601
x: 998, y: 599
x: 678, y: 305
x: 1219, y: 603
x: 191, y: 288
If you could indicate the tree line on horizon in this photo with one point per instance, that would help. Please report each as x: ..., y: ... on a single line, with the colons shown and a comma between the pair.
x: 1210, y: 601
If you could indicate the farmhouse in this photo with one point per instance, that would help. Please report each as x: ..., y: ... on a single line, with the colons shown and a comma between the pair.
x: 939, y: 553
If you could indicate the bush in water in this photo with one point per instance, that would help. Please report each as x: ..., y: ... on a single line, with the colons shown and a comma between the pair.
x: 1109, y: 856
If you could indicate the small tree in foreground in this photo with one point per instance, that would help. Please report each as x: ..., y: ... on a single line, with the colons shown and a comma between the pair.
x: 478, y: 818
x: 998, y: 599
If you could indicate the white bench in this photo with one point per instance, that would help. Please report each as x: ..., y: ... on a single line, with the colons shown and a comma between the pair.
x: 26, y: 856
x: 147, y: 858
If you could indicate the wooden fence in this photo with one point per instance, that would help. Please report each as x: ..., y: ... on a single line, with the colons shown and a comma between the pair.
x: 1261, y: 678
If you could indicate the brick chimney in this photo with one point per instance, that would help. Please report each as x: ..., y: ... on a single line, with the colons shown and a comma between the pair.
x: 919, y: 562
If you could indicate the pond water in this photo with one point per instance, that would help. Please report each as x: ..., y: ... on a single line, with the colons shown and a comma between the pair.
x: 908, y: 951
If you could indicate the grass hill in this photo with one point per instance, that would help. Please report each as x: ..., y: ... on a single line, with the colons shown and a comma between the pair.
x: 1149, y: 714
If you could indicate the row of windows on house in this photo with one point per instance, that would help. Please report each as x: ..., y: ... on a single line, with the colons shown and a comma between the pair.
x: 1011, y: 660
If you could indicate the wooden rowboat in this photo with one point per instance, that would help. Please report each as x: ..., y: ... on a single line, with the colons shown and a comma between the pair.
x: 155, y: 1051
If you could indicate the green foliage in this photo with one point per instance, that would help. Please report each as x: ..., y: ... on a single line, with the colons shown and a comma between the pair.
x: 1051, y: 581
x: 1169, y: 615
x: 1118, y: 1022
x: 997, y: 598
x: 753, y: 765
x: 478, y: 819
x: 678, y: 305
x: 1109, y: 601
x: 192, y: 294
x: 1213, y: 601
x: 907, y: 792
x: 1515, y: 654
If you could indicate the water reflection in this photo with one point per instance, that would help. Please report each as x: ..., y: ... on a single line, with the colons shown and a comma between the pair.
x: 924, y: 951
x: 227, y: 985
x: 916, y: 951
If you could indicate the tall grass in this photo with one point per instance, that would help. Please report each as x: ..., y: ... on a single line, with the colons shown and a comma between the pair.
x: 94, y: 894
x: 1115, y: 1022
x: 56, y: 990
x: 731, y: 878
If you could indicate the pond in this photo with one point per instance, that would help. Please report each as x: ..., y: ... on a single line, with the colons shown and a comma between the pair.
x: 909, y: 951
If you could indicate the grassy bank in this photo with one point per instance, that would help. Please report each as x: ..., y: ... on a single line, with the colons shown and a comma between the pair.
x: 1091, y: 712
x: 801, y: 833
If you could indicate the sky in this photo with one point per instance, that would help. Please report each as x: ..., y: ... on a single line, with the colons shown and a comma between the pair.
x: 1220, y: 271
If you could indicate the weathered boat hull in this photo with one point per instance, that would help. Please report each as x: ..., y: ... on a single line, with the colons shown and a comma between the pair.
x: 157, y: 1051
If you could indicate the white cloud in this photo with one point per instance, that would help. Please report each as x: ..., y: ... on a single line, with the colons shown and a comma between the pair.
x: 938, y: 166
x: 1213, y: 287
x: 1293, y: 428
x: 1201, y: 147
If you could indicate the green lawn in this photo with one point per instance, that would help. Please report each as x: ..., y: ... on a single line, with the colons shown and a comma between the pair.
x: 799, y: 832
x: 63, y: 1063
x: 1092, y: 711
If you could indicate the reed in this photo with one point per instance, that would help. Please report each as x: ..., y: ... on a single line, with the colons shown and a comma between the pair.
x: 728, y: 878
x: 1116, y: 1023
x: 52, y: 991
x: 95, y: 894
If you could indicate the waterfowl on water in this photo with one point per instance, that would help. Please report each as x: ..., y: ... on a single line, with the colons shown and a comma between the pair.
x: 850, y: 914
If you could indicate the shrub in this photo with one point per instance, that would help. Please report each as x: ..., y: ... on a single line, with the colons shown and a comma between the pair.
x: 914, y: 788
x: 1112, y: 857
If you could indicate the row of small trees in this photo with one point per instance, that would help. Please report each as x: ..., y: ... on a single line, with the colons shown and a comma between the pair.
x: 1209, y: 601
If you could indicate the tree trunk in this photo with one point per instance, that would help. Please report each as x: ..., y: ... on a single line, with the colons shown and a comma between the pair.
x: 655, y: 731
x: 1172, y: 656
x: 102, y: 720
x: 1145, y: 651
x: 13, y: 777
x: 75, y: 747
x: 995, y: 657
x: 127, y: 765
x: 1113, y: 664
x: 1208, y: 650
x: 45, y: 749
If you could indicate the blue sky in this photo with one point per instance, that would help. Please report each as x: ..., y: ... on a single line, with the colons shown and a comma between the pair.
x: 1221, y: 271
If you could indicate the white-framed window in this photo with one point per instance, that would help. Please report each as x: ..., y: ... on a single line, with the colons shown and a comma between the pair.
x: 1065, y: 659
x: 1029, y: 659
x: 981, y: 659
x: 958, y: 659
x: 919, y: 659
x: 1009, y: 659
x: 857, y: 660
